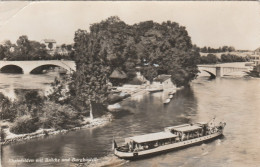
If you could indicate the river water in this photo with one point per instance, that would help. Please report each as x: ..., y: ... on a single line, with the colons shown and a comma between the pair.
x: 235, y: 100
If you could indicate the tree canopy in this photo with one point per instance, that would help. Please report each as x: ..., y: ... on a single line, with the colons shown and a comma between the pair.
x: 112, y: 44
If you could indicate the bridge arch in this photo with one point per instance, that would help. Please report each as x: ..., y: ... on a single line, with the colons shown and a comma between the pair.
x: 210, y: 73
x: 11, y: 68
x: 40, y: 68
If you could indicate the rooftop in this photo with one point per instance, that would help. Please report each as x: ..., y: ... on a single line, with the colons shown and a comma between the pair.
x: 187, y: 128
x: 118, y: 74
x: 152, y: 137
x: 49, y: 41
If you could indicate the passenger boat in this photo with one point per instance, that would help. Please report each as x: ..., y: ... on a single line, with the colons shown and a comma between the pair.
x: 172, y: 138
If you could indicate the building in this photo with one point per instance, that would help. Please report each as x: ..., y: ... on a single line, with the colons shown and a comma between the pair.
x: 255, y: 57
x: 117, y: 77
x: 61, y: 51
x: 163, y: 82
x: 50, y: 44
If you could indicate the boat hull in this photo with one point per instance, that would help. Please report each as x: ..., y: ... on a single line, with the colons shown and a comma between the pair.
x: 155, y: 90
x: 166, y: 148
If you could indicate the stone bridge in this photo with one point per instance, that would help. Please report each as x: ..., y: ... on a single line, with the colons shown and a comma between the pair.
x: 28, y: 66
x: 220, y: 71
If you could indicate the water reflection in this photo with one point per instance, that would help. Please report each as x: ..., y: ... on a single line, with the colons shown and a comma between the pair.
x: 10, y: 82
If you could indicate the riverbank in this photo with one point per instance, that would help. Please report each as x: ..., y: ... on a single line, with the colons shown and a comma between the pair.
x: 10, y: 137
x: 88, y: 123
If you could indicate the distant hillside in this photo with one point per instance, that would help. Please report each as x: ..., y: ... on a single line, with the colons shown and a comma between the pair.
x: 243, y: 54
x: 257, y: 50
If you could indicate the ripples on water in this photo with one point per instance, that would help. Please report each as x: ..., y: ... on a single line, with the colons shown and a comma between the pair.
x: 233, y: 100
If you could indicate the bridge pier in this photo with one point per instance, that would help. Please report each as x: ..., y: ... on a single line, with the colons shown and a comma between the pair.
x: 219, y: 72
x: 26, y: 71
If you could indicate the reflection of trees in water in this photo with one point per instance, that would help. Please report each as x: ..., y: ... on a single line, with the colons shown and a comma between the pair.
x: 184, y: 104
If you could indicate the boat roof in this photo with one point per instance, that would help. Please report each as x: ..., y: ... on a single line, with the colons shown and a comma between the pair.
x: 152, y: 137
x: 175, y: 127
x: 187, y: 128
x: 202, y: 123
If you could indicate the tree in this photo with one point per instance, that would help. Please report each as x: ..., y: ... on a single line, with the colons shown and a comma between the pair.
x: 212, y: 59
x: 167, y: 49
x: 6, y: 50
x: 23, y: 47
x: 25, y: 50
x: 89, y: 82
x: 231, y: 49
x: 50, y: 46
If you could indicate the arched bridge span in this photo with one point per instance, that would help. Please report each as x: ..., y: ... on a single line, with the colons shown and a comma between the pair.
x: 28, y: 66
x: 220, y: 71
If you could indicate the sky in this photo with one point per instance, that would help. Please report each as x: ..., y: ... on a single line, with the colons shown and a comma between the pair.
x: 209, y: 23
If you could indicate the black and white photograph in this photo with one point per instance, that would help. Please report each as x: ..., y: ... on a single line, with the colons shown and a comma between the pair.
x: 130, y: 83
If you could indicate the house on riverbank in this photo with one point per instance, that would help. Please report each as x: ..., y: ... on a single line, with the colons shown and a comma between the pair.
x: 163, y: 82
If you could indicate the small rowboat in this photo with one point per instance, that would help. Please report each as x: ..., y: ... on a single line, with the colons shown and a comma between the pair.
x: 167, y: 101
x: 172, y: 138
x: 153, y: 90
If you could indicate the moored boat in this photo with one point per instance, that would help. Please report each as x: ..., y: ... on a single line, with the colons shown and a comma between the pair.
x: 167, y: 101
x: 172, y: 138
x: 153, y: 90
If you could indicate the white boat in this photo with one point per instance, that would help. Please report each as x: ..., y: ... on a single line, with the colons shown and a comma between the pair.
x: 113, y: 107
x: 153, y: 90
x: 167, y: 101
x: 171, y: 93
x: 172, y: 138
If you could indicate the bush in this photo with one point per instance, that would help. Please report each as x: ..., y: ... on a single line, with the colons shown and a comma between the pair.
x: 24, y: 124
x: 7, y: 109
x: 59, y: 116
x: 8, y: 114
x: 3, y: 135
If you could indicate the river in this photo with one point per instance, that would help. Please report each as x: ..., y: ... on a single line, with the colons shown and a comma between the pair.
x: 235, y: 100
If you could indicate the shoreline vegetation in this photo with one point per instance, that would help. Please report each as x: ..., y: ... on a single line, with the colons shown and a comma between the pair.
x: 40, y: 133
x: 8, y: 137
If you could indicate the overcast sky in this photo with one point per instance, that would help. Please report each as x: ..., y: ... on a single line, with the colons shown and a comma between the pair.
x: 212, y: 23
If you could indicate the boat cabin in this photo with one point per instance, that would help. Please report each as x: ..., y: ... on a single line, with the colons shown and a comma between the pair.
x: 149, y: 141
x: 186, y: 131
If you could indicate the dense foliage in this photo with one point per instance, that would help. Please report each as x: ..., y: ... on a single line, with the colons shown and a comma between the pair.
x: 112, y: 44
x: 166, y: 49
x: 24, y: 124
x: 54, y: 115
x: 31, y: 111
x: 218, y: 50
x: 233, y: 58
x: 225, y: 58
x: 26, y: 49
